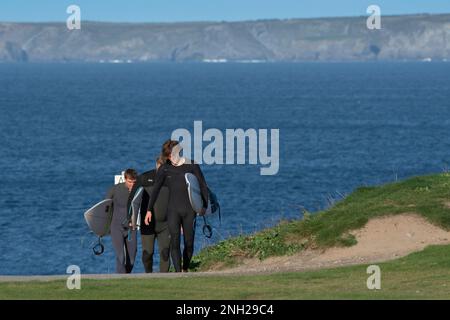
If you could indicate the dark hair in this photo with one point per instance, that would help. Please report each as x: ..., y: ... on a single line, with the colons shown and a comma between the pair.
x: 130, y: 174
x: 167, y: 149
x: 160, y: 161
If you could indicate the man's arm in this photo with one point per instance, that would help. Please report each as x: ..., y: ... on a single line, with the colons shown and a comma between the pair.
x: 160, y: 177
x: 159, y: 180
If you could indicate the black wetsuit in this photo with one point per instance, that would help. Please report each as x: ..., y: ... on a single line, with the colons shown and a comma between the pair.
x: 158, y: 227
x: 124, y: 248
x: 180, y: 212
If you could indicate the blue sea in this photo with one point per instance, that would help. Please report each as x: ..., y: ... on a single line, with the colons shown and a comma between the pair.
x: 67, y: 129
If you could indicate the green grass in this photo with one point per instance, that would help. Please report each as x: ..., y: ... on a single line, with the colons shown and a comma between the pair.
x: 424, y: 195
x: 422, y: 275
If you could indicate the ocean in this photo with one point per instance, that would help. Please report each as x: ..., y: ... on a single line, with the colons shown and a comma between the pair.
x: 67, y: 129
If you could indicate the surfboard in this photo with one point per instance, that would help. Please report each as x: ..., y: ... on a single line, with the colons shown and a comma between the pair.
x: 194, y: 193
x: 98, y: 218
x: 136, y: 209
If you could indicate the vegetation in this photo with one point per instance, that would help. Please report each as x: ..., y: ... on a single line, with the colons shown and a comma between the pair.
x: 428, y: 196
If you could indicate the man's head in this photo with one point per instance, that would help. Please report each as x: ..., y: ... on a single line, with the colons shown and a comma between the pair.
x: 130, y: 178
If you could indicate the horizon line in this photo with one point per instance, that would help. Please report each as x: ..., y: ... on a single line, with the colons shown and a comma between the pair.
x: 227, y: 21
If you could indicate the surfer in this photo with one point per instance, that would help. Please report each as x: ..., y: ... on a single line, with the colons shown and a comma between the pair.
x: 180, y: 212
x: 158, y: 227
x: 124, y: 248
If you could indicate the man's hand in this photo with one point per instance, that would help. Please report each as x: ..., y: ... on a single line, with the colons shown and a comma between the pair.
x: 148, y: 218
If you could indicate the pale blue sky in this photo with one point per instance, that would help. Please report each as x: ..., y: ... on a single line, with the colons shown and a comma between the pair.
x: 201, y: 10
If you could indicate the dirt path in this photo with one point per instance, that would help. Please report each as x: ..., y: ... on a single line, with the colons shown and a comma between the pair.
x: 382, y: 239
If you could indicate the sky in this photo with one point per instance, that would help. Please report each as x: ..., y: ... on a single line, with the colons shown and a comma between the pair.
x: 207, y: 10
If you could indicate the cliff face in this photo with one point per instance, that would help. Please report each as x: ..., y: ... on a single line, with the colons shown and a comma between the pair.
x: 10, y: 51
x: 413, y: 37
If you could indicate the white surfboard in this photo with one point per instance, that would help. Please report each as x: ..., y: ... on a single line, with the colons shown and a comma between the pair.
x: 194, y: 192
x: 99, y: 217
x: 136, y: 209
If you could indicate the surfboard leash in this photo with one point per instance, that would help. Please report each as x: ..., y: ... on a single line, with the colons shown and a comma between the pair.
x: 99, y: 248
x: 207, y: 230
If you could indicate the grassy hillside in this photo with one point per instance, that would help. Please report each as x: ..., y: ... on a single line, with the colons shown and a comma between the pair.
x: 425, y: 195
x: 423, y: 275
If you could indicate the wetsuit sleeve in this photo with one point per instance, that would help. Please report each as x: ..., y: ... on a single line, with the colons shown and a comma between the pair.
x: 203, y: 186
x: 159, y: 180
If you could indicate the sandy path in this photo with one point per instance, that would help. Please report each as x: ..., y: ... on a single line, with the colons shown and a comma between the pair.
x: 382, y: 239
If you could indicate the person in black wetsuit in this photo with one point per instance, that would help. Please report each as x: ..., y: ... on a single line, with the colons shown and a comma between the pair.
x: 180, y: 212
x: 158, y: 228
x: 124, y: 248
